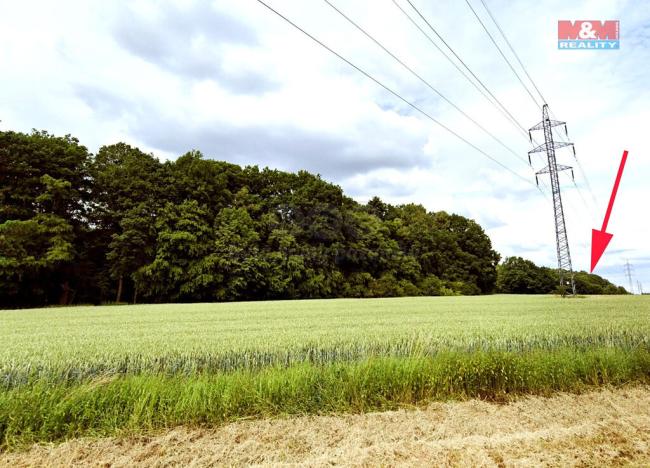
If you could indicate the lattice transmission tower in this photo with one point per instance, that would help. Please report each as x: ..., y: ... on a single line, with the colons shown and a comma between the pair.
x: 565, y: 270
x: 629, y: 271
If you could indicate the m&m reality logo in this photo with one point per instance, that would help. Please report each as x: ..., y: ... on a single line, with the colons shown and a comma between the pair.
x: 584, y: 34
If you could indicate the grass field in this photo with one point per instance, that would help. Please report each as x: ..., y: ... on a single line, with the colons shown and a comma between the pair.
x: 100, y: 370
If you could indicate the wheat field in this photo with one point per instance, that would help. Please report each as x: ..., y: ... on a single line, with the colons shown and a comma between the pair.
x: 73, y: 372
x: 76, y: 343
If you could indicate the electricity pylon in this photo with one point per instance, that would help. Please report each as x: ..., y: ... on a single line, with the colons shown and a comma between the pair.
x: 628, y: 274
x: 565, y: 270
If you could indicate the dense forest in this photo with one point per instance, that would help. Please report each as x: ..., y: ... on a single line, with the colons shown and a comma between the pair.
x: 122, y: 226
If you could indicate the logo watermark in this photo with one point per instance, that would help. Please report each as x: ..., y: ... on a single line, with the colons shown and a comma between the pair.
x: 583, y: 34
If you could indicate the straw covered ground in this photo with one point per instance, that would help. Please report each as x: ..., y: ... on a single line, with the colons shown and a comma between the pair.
x: 608, y: 427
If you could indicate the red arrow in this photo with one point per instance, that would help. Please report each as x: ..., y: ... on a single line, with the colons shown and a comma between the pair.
x: 600, y: 239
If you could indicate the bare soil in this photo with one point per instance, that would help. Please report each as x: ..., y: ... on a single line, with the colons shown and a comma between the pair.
x: 610, y: 427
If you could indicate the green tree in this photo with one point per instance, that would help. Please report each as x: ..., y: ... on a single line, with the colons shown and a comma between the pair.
x: 122, y: 224
x: 31, y: 165
x: 132, y: 246
x: 44, y: 194
x: 211, y: 183
x: 231, y: 268
x: 32, y: 253
x: 184, y: 237
x: 128, y: 191
x: 519, y: 276
x: 285, y: 267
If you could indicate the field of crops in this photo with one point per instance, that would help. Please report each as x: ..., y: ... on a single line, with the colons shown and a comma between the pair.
x: 94, y: 370
x: 81, y: 342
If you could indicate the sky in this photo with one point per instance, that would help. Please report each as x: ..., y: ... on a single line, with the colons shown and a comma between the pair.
x: 235, y: 81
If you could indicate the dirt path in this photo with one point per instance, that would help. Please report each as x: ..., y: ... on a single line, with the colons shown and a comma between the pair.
x: 604, y: 428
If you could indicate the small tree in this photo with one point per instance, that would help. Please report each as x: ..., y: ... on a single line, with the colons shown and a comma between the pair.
x: 562, y: 290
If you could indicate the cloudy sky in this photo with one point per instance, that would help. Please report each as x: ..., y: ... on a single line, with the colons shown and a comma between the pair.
x: 238, y: 83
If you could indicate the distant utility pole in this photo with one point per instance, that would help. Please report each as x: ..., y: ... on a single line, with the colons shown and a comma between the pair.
x: 639, y: 287
x: 549, y: 146
x: 628, y: 274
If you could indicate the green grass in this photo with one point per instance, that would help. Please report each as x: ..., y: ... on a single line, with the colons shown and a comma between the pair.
x: 100, y: 370
x: 134, y: 404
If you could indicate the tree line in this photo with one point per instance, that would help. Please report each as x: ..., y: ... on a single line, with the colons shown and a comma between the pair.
x: 520, y: 276
x: 123, y: 226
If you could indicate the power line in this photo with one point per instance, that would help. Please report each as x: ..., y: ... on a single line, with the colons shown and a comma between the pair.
x: 483, y: 93
x: 500, y: 106
x: 584, y: 174
x: 586, y: 219
x: 512, y: 50
x: 568, y: 201
x: 584, y: 202
x: 501, y: 52
x: 514, y: 120
x: 561, y: 137
x: 586, y: 179
x: 394, y: 93
x: 495, y: 102
x: 565, y: 243
x: 582, y: 171
x: 594, y: 204
x: 439, y: 36
x: 427, y: 83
